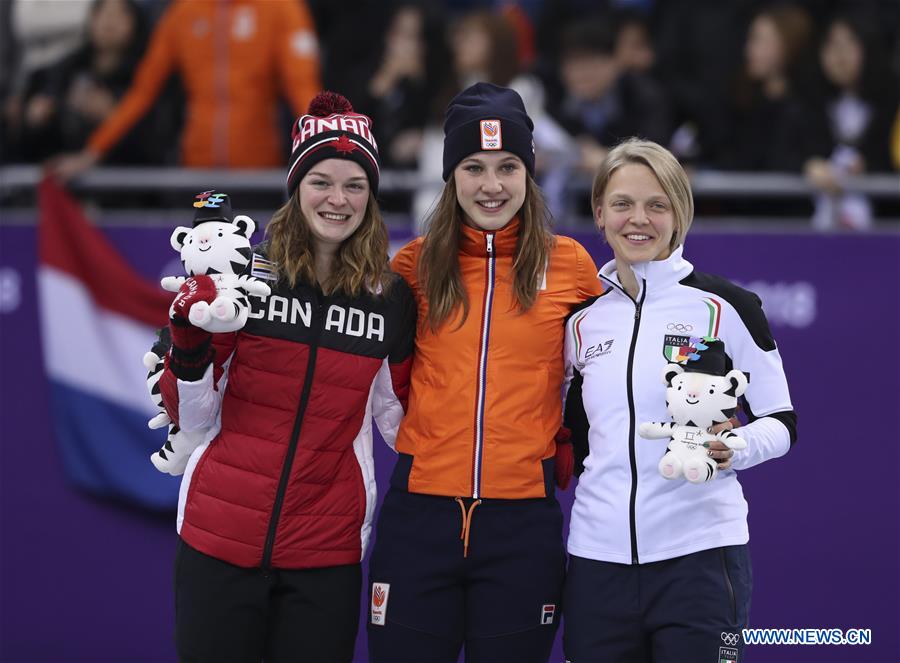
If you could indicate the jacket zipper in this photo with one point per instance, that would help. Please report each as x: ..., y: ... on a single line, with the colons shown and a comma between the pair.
x: 482, y: 366
x: 631, y: 424
x: 295, y: 436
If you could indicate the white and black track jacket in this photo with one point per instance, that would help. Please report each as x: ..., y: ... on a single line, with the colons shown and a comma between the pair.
x: 624, y: 510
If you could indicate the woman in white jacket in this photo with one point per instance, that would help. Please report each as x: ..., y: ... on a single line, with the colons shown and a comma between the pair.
x: 659, y: 570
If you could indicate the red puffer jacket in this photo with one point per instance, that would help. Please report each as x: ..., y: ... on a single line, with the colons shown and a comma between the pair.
x: 286, y: 477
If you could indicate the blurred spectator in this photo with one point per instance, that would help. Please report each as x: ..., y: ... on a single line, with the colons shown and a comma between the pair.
x: 858, y: 109
x: 350, y: 44
x: 634, y: 49
x: 699, y: 49
x: 401, y: 90
x: 773, y: 129
x: 603, y: 102
x: 39, y: 34
x: 80, y: 92
x: 484, y: 49
x: 233, y: 57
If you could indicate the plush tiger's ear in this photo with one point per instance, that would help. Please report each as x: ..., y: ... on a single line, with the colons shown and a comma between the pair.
x: 245, y: 225
x: 669, y: 373
x: 178, y: 236
x: 738, y: 381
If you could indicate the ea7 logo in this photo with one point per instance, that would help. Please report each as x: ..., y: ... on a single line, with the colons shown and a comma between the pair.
x: 599, y: 349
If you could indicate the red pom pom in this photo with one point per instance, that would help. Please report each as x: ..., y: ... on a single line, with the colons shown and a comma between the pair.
x: 329, y: 103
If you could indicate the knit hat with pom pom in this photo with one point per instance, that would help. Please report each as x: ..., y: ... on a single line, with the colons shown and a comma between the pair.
x: 331, y: 130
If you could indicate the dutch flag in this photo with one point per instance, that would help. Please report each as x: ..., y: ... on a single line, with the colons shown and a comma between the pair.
x: 98, y: 317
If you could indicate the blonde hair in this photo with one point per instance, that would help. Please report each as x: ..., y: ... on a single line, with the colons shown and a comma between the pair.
x: 671, y: 176
x: 361, y: 261
x: 438, y: 268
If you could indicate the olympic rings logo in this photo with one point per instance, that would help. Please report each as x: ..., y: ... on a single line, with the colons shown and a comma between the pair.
x: 677, y: 326
x: 731, y: 639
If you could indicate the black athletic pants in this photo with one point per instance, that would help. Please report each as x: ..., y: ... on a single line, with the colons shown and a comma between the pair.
x: 430, y: 595
x: 228, y: 613
x: 685, y: 609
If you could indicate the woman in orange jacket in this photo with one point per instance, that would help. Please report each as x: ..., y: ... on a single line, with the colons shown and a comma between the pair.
x: 235, y: 59
x: 469, y: 541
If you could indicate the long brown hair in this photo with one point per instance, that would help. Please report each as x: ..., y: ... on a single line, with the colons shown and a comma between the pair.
x: 439, y: 260
x: 361, y: 261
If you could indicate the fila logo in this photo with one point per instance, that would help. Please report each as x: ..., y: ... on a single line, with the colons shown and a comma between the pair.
x: 491, y: 135
x: 548, y: 610
x: 380, y: 593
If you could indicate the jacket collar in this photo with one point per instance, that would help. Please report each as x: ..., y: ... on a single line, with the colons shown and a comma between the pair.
x: 656, y: 274
x: 473, y: 241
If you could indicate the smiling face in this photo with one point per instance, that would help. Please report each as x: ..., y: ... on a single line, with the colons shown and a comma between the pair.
x: 699, y: 399
x: 636, y: 215
x: 333, y: 198
x: 490, y: 188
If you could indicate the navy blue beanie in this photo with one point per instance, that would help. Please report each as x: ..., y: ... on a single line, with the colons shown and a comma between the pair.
x: 484, y: 118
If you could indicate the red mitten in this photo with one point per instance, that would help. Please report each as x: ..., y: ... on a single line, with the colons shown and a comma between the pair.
x: 191, y: 349
x: 565, y: 458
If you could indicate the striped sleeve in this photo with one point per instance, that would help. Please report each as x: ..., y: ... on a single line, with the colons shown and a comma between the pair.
x: 574, y: 415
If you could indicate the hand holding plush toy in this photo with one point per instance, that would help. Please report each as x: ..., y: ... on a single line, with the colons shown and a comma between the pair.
x: 173, y: 457
x: 219, y: 248
x: 701, y: 393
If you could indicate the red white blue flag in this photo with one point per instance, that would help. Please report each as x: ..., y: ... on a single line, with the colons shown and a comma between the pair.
x: 98, y: 317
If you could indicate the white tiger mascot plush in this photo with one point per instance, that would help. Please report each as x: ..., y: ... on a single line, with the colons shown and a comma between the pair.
x: 700, y: 394
x: 220, y: 248
x: 172, y: 458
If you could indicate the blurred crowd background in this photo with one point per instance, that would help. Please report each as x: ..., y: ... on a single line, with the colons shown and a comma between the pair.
x: 808, y: 87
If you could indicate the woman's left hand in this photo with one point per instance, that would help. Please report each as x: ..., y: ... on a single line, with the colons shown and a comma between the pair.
x: 717, y: 450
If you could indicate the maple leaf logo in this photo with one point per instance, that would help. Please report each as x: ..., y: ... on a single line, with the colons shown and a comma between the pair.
x: 378, y: 594
x: 344, y: 145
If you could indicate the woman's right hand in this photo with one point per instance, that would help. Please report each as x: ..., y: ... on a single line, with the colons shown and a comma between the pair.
x: 191, y: 352
x: 194, y: 290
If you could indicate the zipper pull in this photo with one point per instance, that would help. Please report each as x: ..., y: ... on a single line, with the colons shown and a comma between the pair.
x: 490, y: 243
x: 638, y: 304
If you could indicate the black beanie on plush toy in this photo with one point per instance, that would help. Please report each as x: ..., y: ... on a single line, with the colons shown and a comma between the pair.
x: 707, y: 355
x: 211, y: 205
x: 484, y: 118
x: 331, y: 130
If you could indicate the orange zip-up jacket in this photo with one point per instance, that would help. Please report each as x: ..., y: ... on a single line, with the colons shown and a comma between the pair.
x: 485, y: 398
x: 234, y: 57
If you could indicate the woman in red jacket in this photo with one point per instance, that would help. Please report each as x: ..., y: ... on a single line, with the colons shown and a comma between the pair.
x: 469, y: 540
x: 276, y: 505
